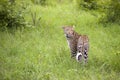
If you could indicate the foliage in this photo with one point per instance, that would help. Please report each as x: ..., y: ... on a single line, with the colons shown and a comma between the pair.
x: 41, y: 2
x: 87, y: 4
x: 113, y: 13
x: 35, y: 19
x: 11, y: 14
x: 45, y: 2
x: 42, y: 53
x: 51, y: 2
x: 109, y: 8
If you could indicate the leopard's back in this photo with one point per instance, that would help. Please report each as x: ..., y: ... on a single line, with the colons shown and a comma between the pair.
x: 83, y: 42
x: 83, y: 47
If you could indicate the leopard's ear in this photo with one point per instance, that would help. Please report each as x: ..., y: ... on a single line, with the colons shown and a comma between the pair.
x: 73, y: 26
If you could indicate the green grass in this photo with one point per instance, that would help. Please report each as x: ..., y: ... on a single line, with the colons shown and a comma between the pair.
x: 42, y: 53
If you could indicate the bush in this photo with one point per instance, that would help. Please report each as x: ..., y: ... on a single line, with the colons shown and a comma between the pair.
x: 112, y: 13
x: 11, y: 14
x: 87, y: 4
x: 41, y: 2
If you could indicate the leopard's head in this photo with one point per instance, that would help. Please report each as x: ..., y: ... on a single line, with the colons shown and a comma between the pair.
x: 69, y: 31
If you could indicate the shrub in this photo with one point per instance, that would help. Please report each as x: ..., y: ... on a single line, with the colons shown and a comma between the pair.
x: 41, y: 2
x: 112, y: 13
x: 87, y: 4
x: 46, y: 2
x: 11, y: 14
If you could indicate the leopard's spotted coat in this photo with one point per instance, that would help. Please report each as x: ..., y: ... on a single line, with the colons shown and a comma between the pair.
x: 79, y: 44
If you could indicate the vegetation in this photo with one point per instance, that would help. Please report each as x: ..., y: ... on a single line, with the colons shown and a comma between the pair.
x: 40, y: 51
x: 113, y: 13
x: 11, y: 14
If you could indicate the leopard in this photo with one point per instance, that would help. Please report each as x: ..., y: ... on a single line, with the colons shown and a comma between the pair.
x: 78, y: 44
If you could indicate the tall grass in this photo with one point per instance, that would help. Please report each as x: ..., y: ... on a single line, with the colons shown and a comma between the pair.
x: 42, y: 53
